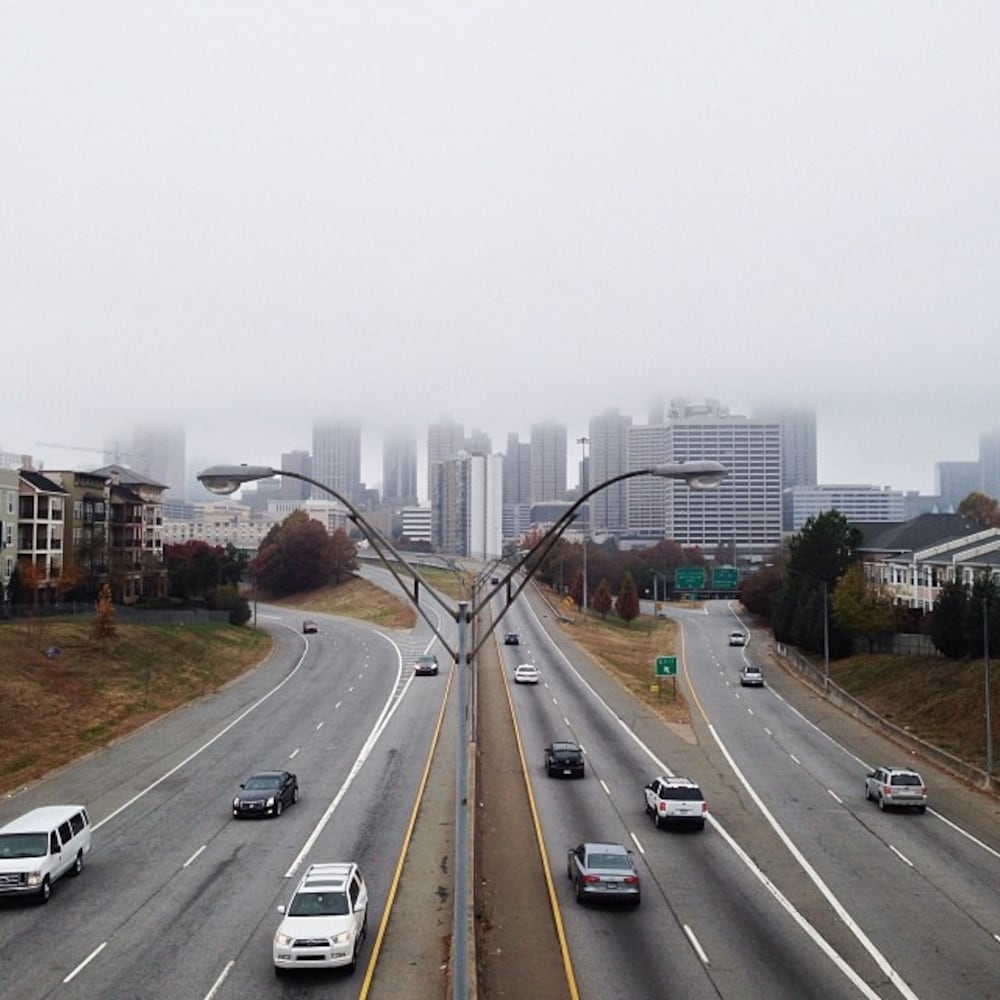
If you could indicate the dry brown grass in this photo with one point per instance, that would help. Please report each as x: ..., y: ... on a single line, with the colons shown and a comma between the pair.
x: 355, y: 598
x: 628, y: 653
x: 91, y: 693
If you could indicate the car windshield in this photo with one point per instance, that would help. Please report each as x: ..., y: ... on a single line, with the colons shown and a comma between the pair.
x: 604, y: 860
x: 319, y: 904
x: 262, y: 782
x: 23, y: 845
x: 426, y: 659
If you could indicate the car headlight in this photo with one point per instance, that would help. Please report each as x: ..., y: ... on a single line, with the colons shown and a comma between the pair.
x: 270, y: 802
x: 343, y: 937
x: 283, y: 940
x: 236, y: 803
x: 34, y: 878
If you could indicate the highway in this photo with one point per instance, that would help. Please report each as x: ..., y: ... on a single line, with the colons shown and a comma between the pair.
x: 178, y: 899
x: 797, y: 887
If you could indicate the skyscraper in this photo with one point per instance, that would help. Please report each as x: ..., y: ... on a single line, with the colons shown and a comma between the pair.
x: 445, y: 440
x: 295, y: 489
x: 158, y: 453
x: 798, y: 443
x: 399, y: 468
x: 336, y: 458
x: 548, y: 462
x: 989, y: 463
x: 608, y: 458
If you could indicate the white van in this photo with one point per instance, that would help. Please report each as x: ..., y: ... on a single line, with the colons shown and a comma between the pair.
x: 40, y: 846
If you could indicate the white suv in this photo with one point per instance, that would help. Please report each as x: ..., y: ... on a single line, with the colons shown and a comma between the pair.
x: 676, y: 800
x: 896, y: 787
x: 326, y: 920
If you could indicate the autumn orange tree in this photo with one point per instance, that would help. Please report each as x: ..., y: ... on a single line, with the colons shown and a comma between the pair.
x: 103, y: 626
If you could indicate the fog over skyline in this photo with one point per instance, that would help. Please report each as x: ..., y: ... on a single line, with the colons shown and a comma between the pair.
x: 245, y: 217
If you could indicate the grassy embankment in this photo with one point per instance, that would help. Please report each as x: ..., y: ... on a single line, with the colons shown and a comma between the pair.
x: 55, y: 710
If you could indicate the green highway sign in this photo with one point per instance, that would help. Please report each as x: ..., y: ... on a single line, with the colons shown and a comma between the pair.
x: 666, y: 666
x: 689, y: 578
x: 724, y: 577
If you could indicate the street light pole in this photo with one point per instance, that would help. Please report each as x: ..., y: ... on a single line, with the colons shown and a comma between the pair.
x: 583, y: 442
x: 826, y: 639
x: 225, y: 479
x: 989, y: 707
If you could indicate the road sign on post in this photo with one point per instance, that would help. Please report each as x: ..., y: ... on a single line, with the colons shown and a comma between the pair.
x: 689, y: 578
x: 724, y: 577
x: 666, y: 666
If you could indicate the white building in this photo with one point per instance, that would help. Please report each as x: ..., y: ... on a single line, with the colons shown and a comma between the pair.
x: 856, y: 503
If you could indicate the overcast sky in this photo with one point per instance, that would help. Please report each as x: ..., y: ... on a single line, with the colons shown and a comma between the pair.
x: 248, y: 215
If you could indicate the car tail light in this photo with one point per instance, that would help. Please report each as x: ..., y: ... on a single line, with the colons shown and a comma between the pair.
x: 887, y: 789
x: 591, y: 878
x: 631, y: 879
x: 704, y: 807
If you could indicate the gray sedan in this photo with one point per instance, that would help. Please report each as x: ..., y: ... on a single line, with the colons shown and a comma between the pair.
x: 605, y: 872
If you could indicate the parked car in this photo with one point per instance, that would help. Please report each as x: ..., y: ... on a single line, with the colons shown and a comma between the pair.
x: 605, y: 872
x: 325, y: 922
x: 677, y: 801
x: 309, y: 626
x: 40, y: 847
x: 751, y: 675
x: 737, y: 638
x: 564, y: 759
x: 426, y: 664
x: 266, y: 793
x: 511, y: 639
x: 526, y: 673
x: 896, y: 788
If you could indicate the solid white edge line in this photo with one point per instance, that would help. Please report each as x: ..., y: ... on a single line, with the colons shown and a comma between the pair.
x: 811, y: 931
x: 294, y: 753
x: 191, y: 756
x: 833, y: 795
x: 86, y: 961
x: 607, y: 791
x: 638, y: 843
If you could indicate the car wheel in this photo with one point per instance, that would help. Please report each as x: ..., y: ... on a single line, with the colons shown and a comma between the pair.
x: 700, y: 825
x: 657, y: 821
x: 352, y: 965
x: 77, y: 864
x: 277, y: 808
x: 279, y: 971
x: 881, y: 802
x: 295, y: 794
x: 45, y: 893
x: 579, y: 892
x: 921, y: 809
x: 868, y: 793
x: 638, y: 900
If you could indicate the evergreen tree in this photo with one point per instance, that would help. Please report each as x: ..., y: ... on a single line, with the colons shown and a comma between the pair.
x: 627, y: 603
x: 947, y: 621
x: 602, y: 598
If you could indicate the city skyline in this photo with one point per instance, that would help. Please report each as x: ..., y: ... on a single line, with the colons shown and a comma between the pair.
x: 509, y: 219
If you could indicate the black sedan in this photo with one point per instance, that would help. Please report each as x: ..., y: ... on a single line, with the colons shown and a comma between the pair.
x: 427, y: 664
x: 564, y: 759
x: 266, y: 793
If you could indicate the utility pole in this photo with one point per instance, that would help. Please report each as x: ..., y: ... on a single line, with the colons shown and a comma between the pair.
x: 583, y: 442
x: 986, y: 664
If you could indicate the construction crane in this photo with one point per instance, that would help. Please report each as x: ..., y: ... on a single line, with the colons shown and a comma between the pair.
x: 120, y: 456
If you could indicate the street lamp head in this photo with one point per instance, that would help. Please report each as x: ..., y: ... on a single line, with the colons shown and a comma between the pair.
x: 698, y: 475
x: 224, y: 479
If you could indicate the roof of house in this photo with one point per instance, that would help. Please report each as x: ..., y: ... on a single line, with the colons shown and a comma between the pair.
x: 920, y: 532
x: 40, y: 482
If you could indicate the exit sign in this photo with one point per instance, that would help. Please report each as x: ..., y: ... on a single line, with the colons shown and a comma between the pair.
x: 666, y: 666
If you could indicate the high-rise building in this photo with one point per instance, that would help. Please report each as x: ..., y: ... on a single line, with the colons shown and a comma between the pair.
x: 608, y: 458
x: 856, y: 503
x: 989, y: 463
x: 548, y: 461
x: 399, y: 468
x: 954, y: 481
x: 516, y: 486
x: 158, y: 453
x: 295, y: 489
x: 646, y: 496
x: 336, y: 458
x: 478, y: 443
x: 445, y: 440
x: 466, y: 512
x: 798, y: 443
x: 745, y: 510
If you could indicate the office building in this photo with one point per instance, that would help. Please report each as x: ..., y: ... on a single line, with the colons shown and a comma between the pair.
x: 467, y: 509
x: 399, y: 468
x: 299, y: 462
x: 159, y: 454
x: 954, y: 481
x: 445, y: 440
x: 336, y: 459
x: 798, y: 443
x: 609, y: 458
x: 856, y: 503
x: 548, y: 461
x: 989, y: 463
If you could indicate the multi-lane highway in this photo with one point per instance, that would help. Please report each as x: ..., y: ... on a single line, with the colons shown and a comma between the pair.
x: 178, y: 899
x: 797, y: 887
